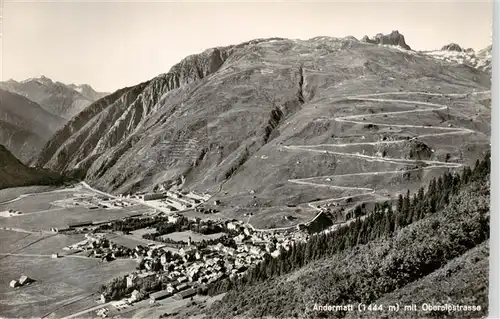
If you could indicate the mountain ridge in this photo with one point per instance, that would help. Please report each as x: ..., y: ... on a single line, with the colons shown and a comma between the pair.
x: 207, y: 123
x: 56, y: 97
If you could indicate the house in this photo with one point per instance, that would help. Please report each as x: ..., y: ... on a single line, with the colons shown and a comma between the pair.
x: 103, y: 298
x: 24, y: 280
x: 159, y: 295
x: 255, y: 250
x: 153, y: 196
x: 187, y: 251
x: 56, y: 255
x: 170, y: 289
x: 103, y: 312
x: 163, y: 259
x: 130, y: 280
x: 181, y: 287
x: 270, y: 247
x: 182, y: 279
x: 14, y: 283
x: 185, y: 294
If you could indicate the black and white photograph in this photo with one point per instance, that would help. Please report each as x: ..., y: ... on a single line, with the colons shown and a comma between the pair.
x: 259, y: 159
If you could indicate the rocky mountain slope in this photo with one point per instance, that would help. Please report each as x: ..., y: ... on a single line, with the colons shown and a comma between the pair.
x: 455, y: 54
x: 275, y: 121
x: 25, y: 126
x: 13, y: 173
x: 58, y: 98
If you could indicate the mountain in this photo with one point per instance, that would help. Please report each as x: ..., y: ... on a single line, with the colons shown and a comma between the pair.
x: 60, y: 99
x: 272, y: 123
x: 25, y: 126
x: 453, y: 53
x: 394, y: 38
x: 13, y: 173
x: 87, y: 91
x: 376, y: 261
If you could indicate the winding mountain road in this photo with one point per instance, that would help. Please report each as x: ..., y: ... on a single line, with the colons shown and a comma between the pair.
x: 428, y: 107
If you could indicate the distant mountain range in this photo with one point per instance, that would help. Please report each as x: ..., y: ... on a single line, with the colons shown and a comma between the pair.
x: 31, y: 111
x: 455, y: 54
x: 57, y: 98
x: 25, y: 126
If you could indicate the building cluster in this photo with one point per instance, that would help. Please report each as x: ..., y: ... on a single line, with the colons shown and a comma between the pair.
x: 96, y: 246
x: 184, y: 270
x: 23, y: 280
x: 170, y: 200
x: 94, y: 202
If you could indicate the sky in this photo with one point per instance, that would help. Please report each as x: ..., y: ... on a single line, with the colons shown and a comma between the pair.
x: 114, y: 44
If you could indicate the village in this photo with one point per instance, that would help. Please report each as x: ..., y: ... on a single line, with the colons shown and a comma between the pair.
x: 177, y: 255
x: 182, y: 273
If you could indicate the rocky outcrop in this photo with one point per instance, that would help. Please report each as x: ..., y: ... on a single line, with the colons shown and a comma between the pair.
x: 452, y: 47
x: 394, y: 38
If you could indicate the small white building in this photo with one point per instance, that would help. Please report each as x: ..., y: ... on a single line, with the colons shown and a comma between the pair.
x: 103, y: 298
x: 14, y: 284
x: 130, y: 280
x: 24, y: 280
x: 170, y: 289
x: 182, y: 279
x: 163, y: 259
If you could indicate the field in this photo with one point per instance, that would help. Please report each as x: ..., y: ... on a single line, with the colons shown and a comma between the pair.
x: 27, y: 245
x: 57, y: 281
x: 40, y: 213
x: 12, y: 193
x: 181, y: 308
x: 61, y: 217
